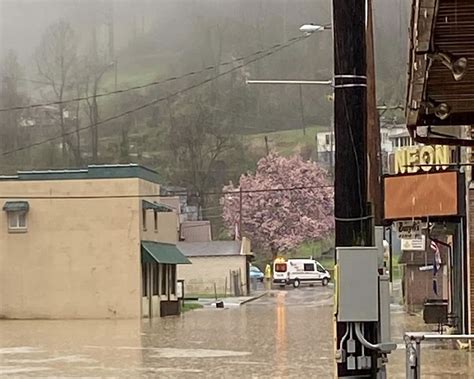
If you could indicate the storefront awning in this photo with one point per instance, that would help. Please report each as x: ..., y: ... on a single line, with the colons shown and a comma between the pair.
x: 159, y: 207
x: 164, y: 253
x: 16, y: 206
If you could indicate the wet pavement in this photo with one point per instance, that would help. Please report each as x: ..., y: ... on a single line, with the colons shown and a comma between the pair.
x: 286, y: 334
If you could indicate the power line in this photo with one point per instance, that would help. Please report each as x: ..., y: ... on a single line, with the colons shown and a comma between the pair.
x: 156, y: 101
x: 144, y: 196
x: 151, y: 84
x: 5, y: 78
x: 237, y: 192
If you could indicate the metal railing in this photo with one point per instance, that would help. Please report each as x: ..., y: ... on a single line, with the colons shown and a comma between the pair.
x: 413, y: 349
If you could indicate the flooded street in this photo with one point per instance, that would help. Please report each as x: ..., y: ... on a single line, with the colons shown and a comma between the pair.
x: 285, y: 334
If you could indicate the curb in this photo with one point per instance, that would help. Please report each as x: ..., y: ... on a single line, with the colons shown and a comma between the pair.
x: 254, y: 298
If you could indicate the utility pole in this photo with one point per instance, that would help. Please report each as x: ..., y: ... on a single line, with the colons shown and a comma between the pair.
x: 111, y: 26
x: 353, y: 227
x: 373, y: 127
x: 240, y: 213
x: 350, y: 121
x: 302, y: 109
x: 115, y: 73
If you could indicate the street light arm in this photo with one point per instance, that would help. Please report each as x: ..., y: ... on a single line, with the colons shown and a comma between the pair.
x: 298, y: 82
x: 312, y: 28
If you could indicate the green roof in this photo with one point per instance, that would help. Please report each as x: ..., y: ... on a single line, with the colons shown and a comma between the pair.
x: 165, y: 253
x: 118, y: 171
x: 16, y: 206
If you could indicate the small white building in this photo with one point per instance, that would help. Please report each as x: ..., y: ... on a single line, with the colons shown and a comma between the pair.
x: 220, y: 264
x: 391, y: 136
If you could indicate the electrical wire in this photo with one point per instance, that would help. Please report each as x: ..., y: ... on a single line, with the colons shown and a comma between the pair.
x: 154, y: 83
x: 156, y: 101
x: 144, y: 196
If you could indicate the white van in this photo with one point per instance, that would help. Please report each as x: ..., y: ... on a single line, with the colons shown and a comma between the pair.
x: 299, y: 271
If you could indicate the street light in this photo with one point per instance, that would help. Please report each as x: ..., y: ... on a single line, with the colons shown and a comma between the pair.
x: 312, y: 28
x: 298, y: 82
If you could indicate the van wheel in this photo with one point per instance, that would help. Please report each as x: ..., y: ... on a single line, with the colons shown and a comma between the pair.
x: 325, y: 282
x: 296, y: 283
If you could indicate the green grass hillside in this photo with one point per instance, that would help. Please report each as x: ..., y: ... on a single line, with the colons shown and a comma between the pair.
x: 286, y: 142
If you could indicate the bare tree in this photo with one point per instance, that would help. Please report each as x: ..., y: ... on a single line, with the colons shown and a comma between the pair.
x: 196, y: 144
x: 95, y: 68
x: 55, y: 58
x: 10, y: 96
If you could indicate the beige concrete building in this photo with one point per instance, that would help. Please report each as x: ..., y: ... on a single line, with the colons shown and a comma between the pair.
x: 88, y: 243
x: 223, y: 264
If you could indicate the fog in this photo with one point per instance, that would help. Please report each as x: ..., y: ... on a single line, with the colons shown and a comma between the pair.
x: 113, y: 45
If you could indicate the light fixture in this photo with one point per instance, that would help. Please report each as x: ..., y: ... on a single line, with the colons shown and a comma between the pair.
x: 457, y: 66
x: 440, y: 110
x: 308, y: 29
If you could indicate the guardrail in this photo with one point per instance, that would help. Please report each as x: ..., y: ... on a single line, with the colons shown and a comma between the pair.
x: 413, y: 349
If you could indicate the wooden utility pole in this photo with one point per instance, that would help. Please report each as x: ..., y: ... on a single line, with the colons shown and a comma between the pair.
x: 267, y: 149
x: 302, y: 109
x: 240, y: 213
x: 353, y: 226
x: 375, y: 194
x: 350, y: 119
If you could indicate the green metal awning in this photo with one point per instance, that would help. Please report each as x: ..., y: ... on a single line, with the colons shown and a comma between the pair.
x: 159, y: 207
x: 165, y: 253
x: 16, y: 206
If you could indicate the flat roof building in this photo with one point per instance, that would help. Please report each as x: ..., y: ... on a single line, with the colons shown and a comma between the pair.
x: 87, y: 243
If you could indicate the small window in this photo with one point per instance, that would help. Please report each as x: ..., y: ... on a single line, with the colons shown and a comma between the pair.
x: 164, y: 277
x: 144, y: 218
x: 328, y: 139
x: 172, y: 271
x: 155, y: 217
x: 17, y: 221
x: 156, y: 279
x: 144, y: 280
x: 280, y: 267
x: 309, y: 267
x: 320, y: 268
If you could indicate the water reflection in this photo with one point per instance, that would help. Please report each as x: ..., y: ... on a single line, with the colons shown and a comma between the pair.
x: 58, y: 347
x: 281, y: 357
x: 285, y: 335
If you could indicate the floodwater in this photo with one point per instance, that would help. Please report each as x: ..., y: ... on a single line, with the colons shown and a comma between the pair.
x: 286, y: 334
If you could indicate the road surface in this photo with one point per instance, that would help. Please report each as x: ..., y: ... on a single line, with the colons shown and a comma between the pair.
x: 286, y: 334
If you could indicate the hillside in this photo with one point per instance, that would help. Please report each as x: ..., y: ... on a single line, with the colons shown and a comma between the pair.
x: 287, y: 142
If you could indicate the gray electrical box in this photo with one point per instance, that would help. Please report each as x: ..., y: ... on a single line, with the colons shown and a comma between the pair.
x: 378, y: 236
x: 384, y: 325
x: 357, y: 284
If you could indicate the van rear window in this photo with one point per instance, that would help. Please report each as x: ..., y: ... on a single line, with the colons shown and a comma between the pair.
x: 280, y: 267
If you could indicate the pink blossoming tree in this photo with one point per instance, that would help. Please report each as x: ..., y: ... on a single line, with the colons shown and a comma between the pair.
x: 275, y: 218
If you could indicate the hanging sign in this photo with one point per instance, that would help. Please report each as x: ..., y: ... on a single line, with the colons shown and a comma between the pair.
x: 415, y: 158
x: 413, y: 244
x: 412, y: 229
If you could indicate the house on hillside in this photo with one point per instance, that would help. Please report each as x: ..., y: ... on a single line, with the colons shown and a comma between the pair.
x: 326, y: 147
x: 223, y: 264
x: 88, y: 243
